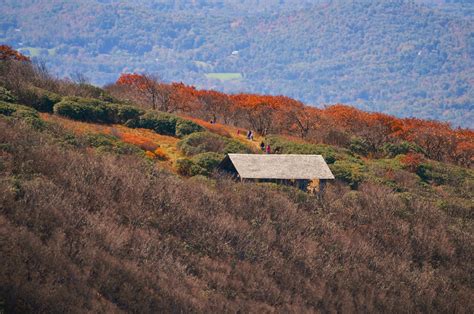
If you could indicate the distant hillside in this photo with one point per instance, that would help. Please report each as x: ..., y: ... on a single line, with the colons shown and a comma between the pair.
x: 400, y: 57
x: 395, y: 58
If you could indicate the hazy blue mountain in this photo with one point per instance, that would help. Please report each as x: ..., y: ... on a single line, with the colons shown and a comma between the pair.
x: 409, y: 58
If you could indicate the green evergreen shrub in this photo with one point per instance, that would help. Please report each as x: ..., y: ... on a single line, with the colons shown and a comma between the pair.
x: 429, y: 173
x: 161, y: 123
x: 349, y: 172
x: 202, y: 142
x: 7, y: 96
x: 23, y: 113
x: 234, y: 146
x: 7, y: 109
x: 187, y: 167
x: 399, y: 148
x: 89, y: 112
x: 165, y: 123
x: 281, y: 145
x: 359, y: 146
x: 95, y: 110
x: 186, y: 127
x: 208, y: 161
x: 39, y: 99
x: 120, y: 114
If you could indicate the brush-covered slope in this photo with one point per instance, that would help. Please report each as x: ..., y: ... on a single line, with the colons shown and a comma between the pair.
x: 107, y: 205
x: 94, y: 230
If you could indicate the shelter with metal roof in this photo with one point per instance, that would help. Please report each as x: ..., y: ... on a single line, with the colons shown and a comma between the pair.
x: 298, y: 170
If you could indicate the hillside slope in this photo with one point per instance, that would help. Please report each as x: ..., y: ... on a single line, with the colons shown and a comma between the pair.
x: 107, y: 205
x: 396, y: 57
x: 94, y: 231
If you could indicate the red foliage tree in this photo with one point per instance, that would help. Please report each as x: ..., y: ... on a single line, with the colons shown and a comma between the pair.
x: 183, y: 98
x: 412, y: 161
x: 303, y: 119
x: 333, y: 125
x: 150, y: 88
x: 215, y: 105
x: 8, y: 53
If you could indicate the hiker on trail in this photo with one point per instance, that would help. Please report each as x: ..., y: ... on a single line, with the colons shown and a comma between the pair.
x: 250, y: 135
x: 268, y: 150
x: 262, y: 146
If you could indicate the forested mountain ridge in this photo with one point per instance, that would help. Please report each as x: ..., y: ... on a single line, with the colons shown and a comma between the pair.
x: 400, y: 57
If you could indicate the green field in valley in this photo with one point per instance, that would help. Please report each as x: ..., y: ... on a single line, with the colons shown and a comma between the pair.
x: 225, y: 76
x: 36, y: 52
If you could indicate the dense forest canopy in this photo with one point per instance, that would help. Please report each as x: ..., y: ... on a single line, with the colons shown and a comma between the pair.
x: 408, y: 58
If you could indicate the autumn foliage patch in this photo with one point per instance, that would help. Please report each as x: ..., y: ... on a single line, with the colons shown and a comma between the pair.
x: 412, y: 161
x: 334, y: 125
x: 8, y: 53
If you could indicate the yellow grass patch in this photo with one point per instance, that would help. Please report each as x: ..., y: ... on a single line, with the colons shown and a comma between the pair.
x: 239, y: 134
x: 147, y: 140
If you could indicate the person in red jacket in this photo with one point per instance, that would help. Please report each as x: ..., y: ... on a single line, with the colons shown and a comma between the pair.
x: 268, y: 149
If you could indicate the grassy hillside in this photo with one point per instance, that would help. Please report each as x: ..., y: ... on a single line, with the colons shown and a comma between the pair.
x: 408, y: 58
x: 93, y: 230
x: 109, y: 206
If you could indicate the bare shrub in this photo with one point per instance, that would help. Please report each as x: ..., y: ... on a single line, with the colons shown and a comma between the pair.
x: 106, y: 233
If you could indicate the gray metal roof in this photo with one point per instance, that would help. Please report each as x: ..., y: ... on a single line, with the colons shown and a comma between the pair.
x: 275, y: 166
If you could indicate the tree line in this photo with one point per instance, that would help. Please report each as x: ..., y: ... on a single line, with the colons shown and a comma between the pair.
x: 337, y: 124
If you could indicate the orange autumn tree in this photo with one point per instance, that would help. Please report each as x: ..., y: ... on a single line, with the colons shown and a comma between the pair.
x: 254, y: 111
x: 184, y: 98
x: 464, y: 152
x: 175, y: 97
x: 375, y: 129
x: 336, y: 125
x: 263, y: 114
x: 439, y: 140
x: 149, y: 88
x: 378, y: 129
x: 8, y: 53
x: 346, y: 117
x: 215, y: 104
x: 297, y: 118
x: 412, y: 161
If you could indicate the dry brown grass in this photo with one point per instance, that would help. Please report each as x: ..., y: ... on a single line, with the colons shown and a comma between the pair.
x: 143, y: 138
x: 234, y: 132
